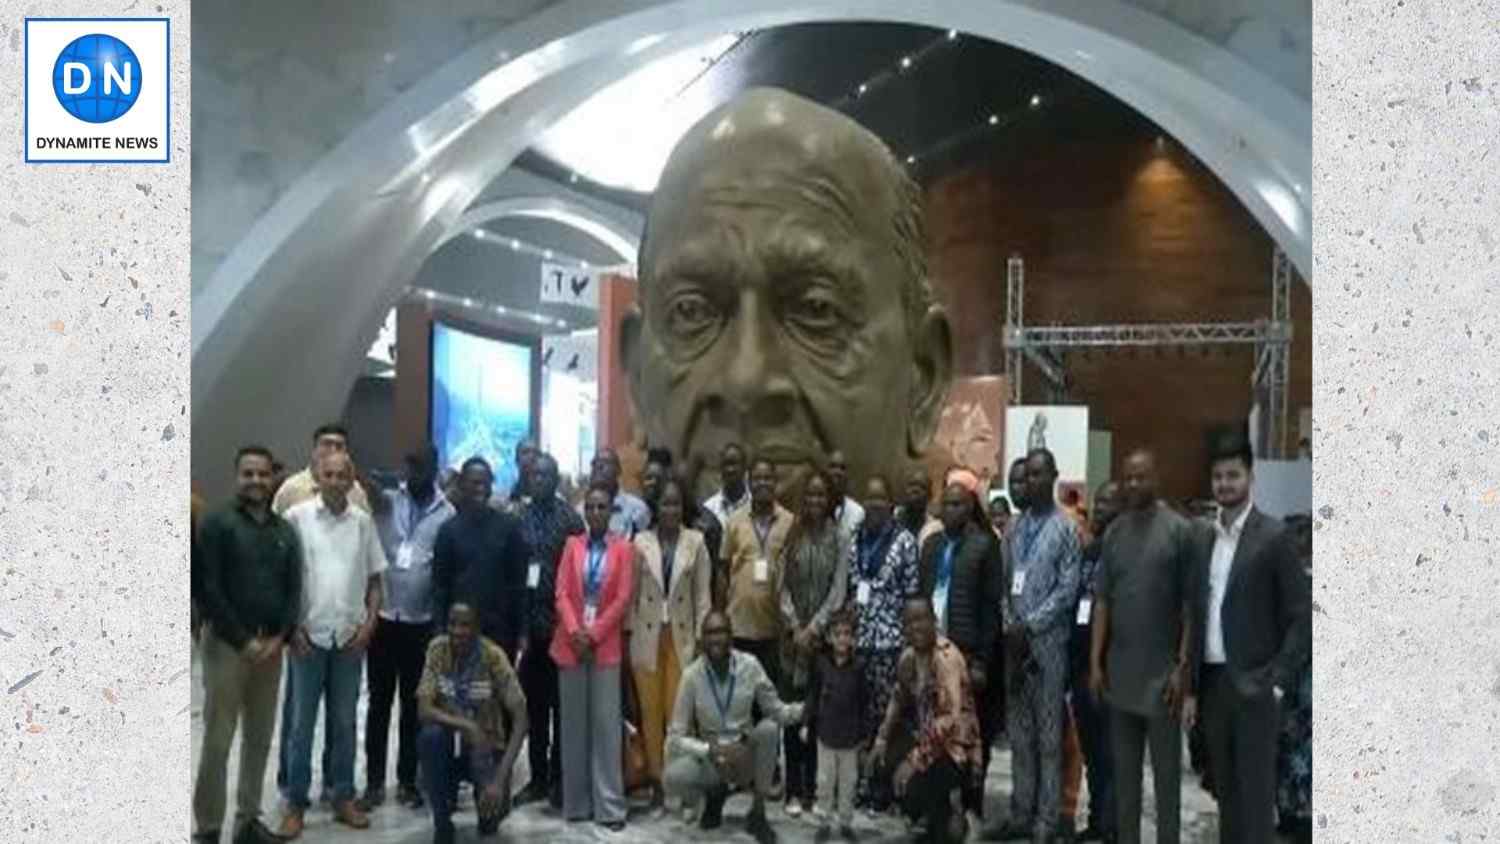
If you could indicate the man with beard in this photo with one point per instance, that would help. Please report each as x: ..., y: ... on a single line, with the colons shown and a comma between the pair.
x: 249, y: 593
x: 1253, y: 626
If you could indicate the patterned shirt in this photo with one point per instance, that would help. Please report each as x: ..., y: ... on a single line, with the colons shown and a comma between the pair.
x: 943, y: 706
x: 885, y: 584
x: 483, y: 687
x: 546, y: 527
x: 1044, y: 556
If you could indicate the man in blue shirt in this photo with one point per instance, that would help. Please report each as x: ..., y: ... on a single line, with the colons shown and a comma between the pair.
x: 408, y: 528
x: 629, y: 515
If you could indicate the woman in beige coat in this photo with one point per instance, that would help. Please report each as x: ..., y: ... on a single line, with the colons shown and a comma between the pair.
x: 672, y: 597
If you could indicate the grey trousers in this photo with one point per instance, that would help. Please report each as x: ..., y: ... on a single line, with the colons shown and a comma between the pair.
x: 235, y: 691
x: 838, y: 774
x: 1034, y: 712
x: 1128, y: 735
x: 1241, y: 735
x: 690, y: 777
x: 593, y: 773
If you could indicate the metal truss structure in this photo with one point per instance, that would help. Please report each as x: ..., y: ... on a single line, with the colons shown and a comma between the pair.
x: 1046, y: 346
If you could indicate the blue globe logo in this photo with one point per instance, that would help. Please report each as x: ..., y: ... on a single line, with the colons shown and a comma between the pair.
x: 97, y: 78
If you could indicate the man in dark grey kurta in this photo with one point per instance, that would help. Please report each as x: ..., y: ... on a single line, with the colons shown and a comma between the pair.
x: 1139, y: 656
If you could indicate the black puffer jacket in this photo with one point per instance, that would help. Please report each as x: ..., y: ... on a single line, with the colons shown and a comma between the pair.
x: 975, y: 591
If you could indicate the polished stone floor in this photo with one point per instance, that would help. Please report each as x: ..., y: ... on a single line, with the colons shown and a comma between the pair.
x: 393, y: 824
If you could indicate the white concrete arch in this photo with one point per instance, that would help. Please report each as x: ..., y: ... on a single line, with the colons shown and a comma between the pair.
x: 607, y: 232
x: 280, y: 328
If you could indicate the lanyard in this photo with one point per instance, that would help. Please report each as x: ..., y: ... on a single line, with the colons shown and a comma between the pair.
x: 595, y: 567
x: 1029, y: 538
x: 762, y: 536
x: 945, y: 568
x: 723, y: 703
x: 872, y: 551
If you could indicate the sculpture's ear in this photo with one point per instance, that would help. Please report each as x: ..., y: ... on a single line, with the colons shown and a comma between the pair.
x: 630, y: 351
x: 932, y: 375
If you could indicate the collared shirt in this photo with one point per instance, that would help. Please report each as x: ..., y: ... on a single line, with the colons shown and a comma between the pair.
x: 301, y: 487
x: 480, y: 558
x: 407, y: 533
x: 1044, y: 556
x: 711, y: 708
x: 755, y: 604
x: 340, y: 553
x: 250, y: 575
x: 851, y: 516
x: 724, y: 509
x: 628, y: 516
x: 943, y: 705
x: 546, y: 526
x: 885, y: 589
x: 483, y: 689
x: 1226, y: 543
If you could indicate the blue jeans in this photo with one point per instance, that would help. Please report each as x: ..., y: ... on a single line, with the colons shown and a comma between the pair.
x: 333, y: 677
x: 442, y: 770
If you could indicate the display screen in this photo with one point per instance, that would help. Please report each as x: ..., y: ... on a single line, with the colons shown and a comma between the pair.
x: 482, y: 397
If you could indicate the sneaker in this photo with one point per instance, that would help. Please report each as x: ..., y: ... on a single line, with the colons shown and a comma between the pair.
x: 408, y: 796
x: 373, y: 798
x: 793, y: 809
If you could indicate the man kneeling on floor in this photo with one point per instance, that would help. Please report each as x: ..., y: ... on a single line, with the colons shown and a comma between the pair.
x: 467, y: 695
x: 930, y: 733
x: 713, y: 746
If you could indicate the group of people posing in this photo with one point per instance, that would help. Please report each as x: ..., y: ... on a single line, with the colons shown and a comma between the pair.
x: 851, y: 654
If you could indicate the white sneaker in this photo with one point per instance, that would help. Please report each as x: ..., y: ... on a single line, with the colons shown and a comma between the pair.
x: 794, y: 809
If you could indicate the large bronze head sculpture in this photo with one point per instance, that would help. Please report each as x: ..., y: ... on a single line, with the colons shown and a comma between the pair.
x: 784, y: 301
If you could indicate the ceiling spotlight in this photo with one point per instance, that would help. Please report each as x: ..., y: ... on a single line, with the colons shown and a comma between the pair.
x: 426, y: 177
x: 515, y: 245
x: 1036, y: 100
x: 547, y: 254
x: 584, y: 264
x: 994, y: 120
x: 429, y: 294
x: 573, y: 178
x: 863, y: 88
x: 911, y: 159
x: 479, y: 234
x: 500, y: 309
x: 952, y: 34
x: 905, y: 62
x: 562, y: 323
x: 468, y: 303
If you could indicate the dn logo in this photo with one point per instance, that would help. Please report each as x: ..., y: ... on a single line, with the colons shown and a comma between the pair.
x: 97, y: 78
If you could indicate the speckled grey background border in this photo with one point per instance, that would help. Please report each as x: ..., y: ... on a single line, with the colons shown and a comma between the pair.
x: 94, y: 437
x: 1406, y: 309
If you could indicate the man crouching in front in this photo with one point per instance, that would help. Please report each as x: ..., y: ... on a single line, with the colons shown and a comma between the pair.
x: 713, y: 745
x: 470, y: 692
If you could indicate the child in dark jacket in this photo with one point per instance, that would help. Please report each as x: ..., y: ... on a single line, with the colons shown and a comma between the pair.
x: 835, y: 699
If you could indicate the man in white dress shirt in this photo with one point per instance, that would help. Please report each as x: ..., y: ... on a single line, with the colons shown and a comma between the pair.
x: 341, y: 567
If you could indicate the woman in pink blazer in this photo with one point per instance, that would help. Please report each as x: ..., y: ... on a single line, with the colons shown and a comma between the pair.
x: 594, y: 587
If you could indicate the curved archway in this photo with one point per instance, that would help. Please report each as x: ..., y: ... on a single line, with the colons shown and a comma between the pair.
x: 621, y: 241
x: 312, y: 277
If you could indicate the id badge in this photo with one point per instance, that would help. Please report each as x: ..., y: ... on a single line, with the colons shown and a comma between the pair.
x: 762, y: 570
x: 862, y: 594
x: 589, y: 611
x: 666, y: 614
x: 403, y: 556
x: 1085, y: 608
x: 1018, y: 584
x: 533, y: 575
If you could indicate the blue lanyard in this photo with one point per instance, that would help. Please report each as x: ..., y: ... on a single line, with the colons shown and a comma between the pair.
x: 872, y: 551
x: 945, y: 568
x: 762, y: 536
x: 1029, y: 538
x: 713, y: 686
x: 595, y: 568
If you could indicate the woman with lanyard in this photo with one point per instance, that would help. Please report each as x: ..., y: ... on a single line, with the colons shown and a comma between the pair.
x: 961, y: 570
x: 672, y: 598
x: 884, y: 576
x: 595, y: 582
x: 814, y: 580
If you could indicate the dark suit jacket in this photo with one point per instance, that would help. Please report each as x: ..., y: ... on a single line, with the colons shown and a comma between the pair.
x: 1267, y: 609
x: 974, y: 593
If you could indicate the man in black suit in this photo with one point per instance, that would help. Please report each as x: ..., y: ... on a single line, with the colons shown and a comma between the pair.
x: 1253, y: 633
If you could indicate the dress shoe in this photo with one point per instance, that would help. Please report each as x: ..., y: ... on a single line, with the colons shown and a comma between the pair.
x: 408, y: 796
x: 847, y: 833
x: 713, y: 809
x: 349, y: 815
x: 206, y: 837
x: 373, y: 798
x: 759, y: 828
x: 255, y: 832
x: 291, y: 825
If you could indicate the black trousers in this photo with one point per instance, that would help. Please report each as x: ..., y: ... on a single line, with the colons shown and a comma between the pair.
x: 989, y: 707
x: 538, y: 675
x: 768, y: 651
x: 1241, y: 734
x: 395, y: 659
x: 801, y: 766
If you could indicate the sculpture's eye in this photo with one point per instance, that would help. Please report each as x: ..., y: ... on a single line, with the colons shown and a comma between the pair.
x: 815, y: 309
x: 690, y: 313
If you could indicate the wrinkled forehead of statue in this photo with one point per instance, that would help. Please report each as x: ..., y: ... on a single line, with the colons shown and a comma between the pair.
x: 771, y: 147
